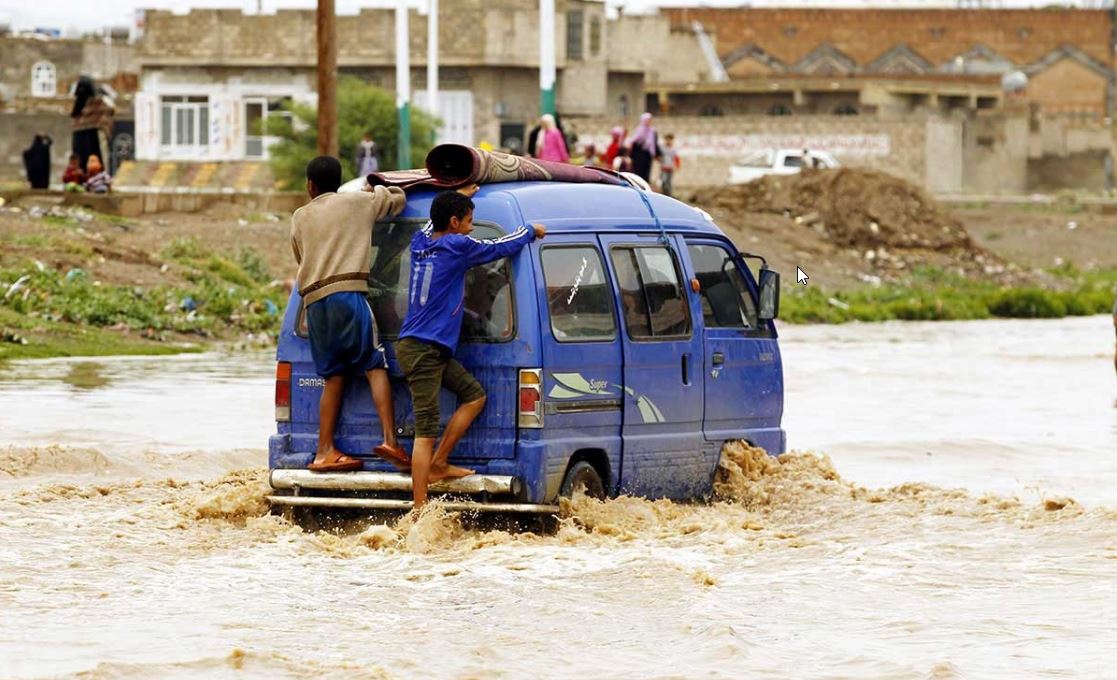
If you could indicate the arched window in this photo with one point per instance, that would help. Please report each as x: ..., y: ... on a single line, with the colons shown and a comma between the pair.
x: 43, y: 80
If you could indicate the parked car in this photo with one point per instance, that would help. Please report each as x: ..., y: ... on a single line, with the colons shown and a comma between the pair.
x: 778, y: 162
x: 619, y: 354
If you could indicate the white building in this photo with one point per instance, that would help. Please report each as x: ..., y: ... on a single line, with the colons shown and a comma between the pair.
x: 186, y: 114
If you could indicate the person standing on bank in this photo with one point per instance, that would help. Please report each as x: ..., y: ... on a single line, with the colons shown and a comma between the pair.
x: 550, y: 144
x: 36, y: 161
x: 332, y: 241
x: 643, y: 146
x: 669, y: 163
x: 441, y: 254
x: 92, y: 118
x: 368, y: 160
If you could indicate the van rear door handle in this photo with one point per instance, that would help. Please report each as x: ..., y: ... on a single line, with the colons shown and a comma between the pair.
x: 718, y: 359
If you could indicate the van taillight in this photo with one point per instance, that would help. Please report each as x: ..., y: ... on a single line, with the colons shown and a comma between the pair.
x: 283, y: 391
x: 531, y: 398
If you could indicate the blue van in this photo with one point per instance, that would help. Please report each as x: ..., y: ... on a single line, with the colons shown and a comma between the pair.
x: 619, y: 353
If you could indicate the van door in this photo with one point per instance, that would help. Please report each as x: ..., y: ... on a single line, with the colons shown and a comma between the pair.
x: 742, y: 373
x: 661, y: 454
x: 583, y: 384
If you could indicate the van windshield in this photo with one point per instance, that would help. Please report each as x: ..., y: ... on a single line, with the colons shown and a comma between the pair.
x: 488, y: 307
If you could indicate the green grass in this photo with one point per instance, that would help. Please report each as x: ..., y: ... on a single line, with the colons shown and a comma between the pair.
x: 932, y: 295
x: 62, y: 313
x: 23, y: 337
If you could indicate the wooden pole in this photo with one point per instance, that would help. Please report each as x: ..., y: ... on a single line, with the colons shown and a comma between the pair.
x: 327, y: 79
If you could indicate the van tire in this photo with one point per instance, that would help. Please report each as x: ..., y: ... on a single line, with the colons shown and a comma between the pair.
x: 582, y: 475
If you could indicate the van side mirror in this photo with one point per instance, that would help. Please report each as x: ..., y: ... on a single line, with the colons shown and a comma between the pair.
x: 769, y: 294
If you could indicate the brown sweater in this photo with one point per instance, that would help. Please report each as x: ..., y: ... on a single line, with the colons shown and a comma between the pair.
x: 332, y: 239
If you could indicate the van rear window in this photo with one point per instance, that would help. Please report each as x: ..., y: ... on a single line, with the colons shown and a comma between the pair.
x: 578, y: 295
x: 489, y: 311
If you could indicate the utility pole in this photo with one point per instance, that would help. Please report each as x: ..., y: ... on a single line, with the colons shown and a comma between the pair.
x: 546, y: 56
x: 403, y: 85
x: 432, y: 58
x: 327, y: 79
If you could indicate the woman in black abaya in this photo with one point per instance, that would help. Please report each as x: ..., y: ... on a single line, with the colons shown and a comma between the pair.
x: 36, y: 161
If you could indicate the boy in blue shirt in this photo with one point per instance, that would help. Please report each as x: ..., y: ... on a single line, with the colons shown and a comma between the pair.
x: 441, y: 254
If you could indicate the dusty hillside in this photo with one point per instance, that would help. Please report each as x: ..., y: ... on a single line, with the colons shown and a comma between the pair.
x: 849, y: 225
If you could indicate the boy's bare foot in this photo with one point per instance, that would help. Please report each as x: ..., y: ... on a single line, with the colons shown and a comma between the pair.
x: 394, y: 455
x: 439, y: 473
x: 334, y: 461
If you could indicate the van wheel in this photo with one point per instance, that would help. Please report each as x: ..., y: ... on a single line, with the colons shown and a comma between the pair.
x: 582, y: 475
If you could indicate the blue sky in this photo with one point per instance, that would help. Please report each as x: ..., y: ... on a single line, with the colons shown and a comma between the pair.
x: 91, y: 15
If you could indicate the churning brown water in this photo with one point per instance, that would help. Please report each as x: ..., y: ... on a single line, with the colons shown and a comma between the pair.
x: 135, y: 543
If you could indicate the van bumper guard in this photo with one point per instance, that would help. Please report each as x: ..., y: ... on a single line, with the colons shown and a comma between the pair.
x: 295, y: 479
x: 390, y: 504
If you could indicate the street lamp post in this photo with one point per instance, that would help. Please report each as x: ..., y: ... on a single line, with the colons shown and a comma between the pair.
x: 547, y: 56
x: 403, y: 85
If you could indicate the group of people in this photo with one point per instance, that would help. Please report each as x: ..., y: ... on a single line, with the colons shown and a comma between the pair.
x: 331, y: 241
x: 636, y: 153
x: 91, y: 119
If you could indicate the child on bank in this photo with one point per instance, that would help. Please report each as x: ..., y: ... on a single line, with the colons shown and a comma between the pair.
x: 441, y: 254
x: 73, y: 177
x: 669, y: 162
x: 97, y: 179
x: 332, y: 240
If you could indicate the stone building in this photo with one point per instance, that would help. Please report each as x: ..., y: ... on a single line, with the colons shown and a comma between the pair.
x: 1066, y: 53
x: 945, y: 62
x: 36, y: 71
x: 36, y: 76
x: 206, y: 77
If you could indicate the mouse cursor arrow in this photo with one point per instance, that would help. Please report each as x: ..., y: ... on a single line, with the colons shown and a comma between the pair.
x: 800, y: 276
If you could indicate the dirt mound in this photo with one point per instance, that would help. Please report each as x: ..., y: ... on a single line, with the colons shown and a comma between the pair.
x: 852, y: 207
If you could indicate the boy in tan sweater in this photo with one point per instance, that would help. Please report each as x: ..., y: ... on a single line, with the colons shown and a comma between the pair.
x: 332, y: 240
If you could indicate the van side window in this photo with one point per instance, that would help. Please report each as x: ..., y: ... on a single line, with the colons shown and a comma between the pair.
x: 653, y: 302
x: 726, y: 301
x: 578, y: 294
x: 488, y: 309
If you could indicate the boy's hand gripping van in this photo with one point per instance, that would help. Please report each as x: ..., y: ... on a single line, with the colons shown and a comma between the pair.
x: 619, y: 354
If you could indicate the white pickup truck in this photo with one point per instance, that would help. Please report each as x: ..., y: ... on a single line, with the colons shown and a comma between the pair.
x: 778, y: 162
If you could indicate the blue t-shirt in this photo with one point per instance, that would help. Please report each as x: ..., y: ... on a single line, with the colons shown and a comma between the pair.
x: 437, y: 288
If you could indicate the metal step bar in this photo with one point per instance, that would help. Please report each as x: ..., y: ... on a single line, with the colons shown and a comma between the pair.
x: 390, y: 504
x: 388, y: 481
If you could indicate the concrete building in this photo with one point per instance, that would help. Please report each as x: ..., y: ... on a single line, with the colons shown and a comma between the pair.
x: 916, y: 92
x: 206, y: 77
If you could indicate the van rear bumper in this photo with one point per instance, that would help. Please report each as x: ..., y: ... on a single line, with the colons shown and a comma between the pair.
x: 389, y: 481
x: 396, y: 504
x: 344, y: 490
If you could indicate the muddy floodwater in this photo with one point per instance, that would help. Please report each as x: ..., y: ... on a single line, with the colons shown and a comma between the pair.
x: 949, y: 511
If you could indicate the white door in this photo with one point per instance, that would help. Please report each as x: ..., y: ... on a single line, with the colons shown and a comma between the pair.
x: 456, y: 112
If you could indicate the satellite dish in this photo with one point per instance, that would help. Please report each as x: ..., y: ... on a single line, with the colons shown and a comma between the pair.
x: 1014, y: 81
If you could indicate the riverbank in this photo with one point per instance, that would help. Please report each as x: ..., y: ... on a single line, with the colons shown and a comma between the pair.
x: 932, y: 294
x: 78, y: 283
